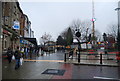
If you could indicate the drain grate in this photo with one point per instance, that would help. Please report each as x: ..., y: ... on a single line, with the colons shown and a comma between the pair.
x: 54, y: 72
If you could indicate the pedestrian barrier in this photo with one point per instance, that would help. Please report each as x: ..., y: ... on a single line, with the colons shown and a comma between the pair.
x: 111, y: 58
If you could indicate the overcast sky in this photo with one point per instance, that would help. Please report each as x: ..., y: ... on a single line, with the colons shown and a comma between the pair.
x: 53, y: 17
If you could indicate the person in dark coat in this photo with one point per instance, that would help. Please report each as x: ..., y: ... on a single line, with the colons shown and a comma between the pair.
x: 26, y: 50
x: 17, y: 55
x: 9, y: 54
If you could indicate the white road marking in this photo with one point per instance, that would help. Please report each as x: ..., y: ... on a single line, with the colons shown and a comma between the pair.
x: 105, y: 78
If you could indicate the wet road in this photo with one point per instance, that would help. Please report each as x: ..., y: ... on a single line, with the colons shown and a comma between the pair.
x: 33, y: 70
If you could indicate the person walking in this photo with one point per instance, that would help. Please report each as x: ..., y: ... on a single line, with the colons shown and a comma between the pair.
x: 42, y: 51
x: 22, y: 51
x: 71, y: 54
x: 30, y: 52
x: 26, y: 52
x: 17, y: 55
x: 9, y: 54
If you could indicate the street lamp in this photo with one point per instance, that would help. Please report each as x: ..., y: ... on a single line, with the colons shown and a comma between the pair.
x: 78, y: 34
x: 86, y: 38
x: 118, y: 33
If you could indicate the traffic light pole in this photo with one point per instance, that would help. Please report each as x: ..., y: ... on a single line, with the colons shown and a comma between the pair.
x: 78, y: 34
x: 118, y: 36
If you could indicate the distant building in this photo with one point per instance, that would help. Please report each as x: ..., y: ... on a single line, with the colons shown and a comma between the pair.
x: 50, y: 46
x: 32, y: 34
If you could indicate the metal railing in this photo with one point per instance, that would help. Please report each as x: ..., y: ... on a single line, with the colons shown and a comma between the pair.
x: 100, y: 58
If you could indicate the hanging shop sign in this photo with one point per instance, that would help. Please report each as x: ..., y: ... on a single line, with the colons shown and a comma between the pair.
x: 16, y: 25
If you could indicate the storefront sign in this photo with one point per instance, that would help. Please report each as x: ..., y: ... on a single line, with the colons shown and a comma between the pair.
x: 16, y: 25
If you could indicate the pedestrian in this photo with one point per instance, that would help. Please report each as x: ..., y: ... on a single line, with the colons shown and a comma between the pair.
x: 75, y: 51
x: 22, y: 51
x: 71, y: 54
x: 42, y: 52
x: 31, y: 51
x: 37, y: 51
x: 26, y: 52
x: 17, y: 55
x: 9, y: 54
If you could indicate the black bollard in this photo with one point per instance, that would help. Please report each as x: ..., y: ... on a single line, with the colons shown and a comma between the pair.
x: 79, y: 47
x: 79, y: 58
x: 65, y: 57
x: 100, y: 58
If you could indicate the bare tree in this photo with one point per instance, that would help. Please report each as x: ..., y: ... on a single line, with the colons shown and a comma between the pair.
x: 45, y: 38
x: 64, y: 33
x: 112, y: 29
x: 98, y: 35
x: 83, y: 26
x: 76, y: 24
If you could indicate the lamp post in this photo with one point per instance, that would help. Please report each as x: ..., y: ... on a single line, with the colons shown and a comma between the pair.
x: 78, y: 34
x: 118, y: 33
x: 86, y: 38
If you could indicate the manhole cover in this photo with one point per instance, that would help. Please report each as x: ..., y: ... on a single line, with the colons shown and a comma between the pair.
x: 54, y: 72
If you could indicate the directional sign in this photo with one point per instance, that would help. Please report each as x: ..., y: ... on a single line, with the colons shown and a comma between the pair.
x: 16, y: 25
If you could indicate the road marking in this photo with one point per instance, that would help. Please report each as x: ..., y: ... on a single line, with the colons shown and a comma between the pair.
x: 105, y: 78
x: 46, y: 60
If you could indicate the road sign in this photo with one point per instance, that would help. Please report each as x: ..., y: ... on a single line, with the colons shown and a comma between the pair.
x: 78, y: 34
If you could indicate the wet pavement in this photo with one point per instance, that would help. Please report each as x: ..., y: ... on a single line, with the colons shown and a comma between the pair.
x: 34, y: 69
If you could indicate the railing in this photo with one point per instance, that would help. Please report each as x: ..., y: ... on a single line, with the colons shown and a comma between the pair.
x: 93, y: 58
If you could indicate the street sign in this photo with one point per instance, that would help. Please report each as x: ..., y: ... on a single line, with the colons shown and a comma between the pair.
x: 16, y: 25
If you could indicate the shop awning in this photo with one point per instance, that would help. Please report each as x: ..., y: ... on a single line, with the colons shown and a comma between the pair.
x: 10, y: 30
x: 32, y: 40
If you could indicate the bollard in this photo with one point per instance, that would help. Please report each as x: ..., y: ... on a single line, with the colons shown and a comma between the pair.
x: 65, y: 58
x: 79, y: 53
x: 79, y: 58
x: 100, y: 58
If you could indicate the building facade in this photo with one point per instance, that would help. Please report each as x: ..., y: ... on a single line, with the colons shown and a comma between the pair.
x: 15, y: 24
x: 0, y: 28
x: 11, y: 14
